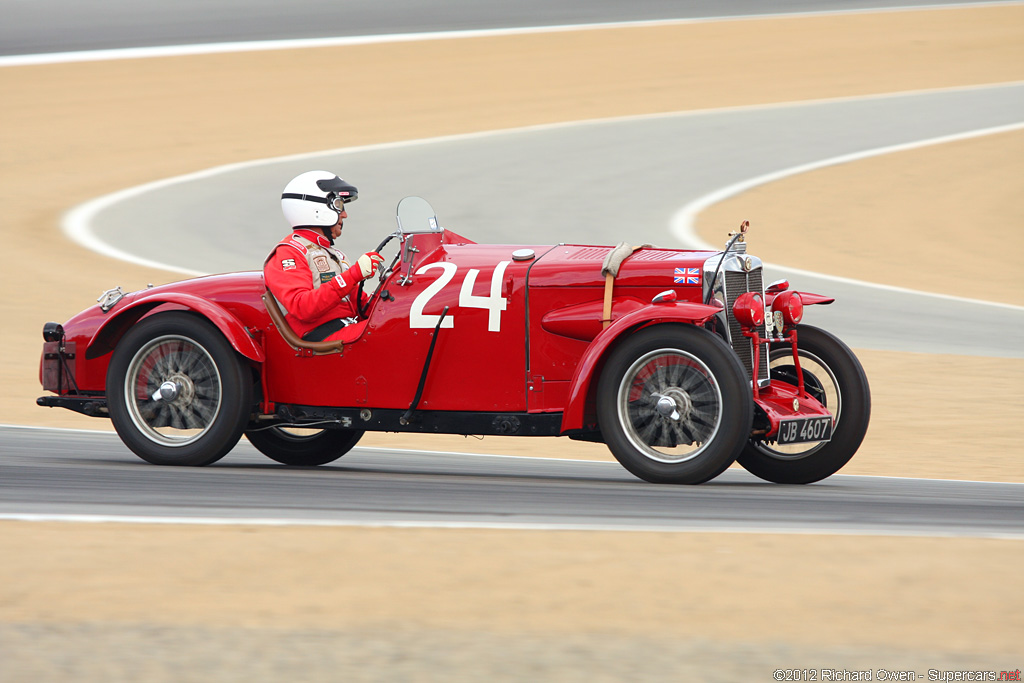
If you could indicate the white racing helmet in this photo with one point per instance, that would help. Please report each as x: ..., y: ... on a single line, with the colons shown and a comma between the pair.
x: 315, y: 199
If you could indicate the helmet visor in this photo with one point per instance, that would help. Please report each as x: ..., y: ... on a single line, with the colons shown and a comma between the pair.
x: 337, y: 189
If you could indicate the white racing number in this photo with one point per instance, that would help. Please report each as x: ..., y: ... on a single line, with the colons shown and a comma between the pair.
x: 417, y: 318
x: 493, y: 302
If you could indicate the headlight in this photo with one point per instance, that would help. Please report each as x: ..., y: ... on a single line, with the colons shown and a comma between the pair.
x: 749, y: 310
x: 791, y: 305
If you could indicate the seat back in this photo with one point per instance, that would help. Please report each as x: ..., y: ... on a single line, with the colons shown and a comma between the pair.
x: 288, y: 334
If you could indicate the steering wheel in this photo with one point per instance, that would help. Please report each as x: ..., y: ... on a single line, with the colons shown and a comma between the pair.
x: 384, y: 272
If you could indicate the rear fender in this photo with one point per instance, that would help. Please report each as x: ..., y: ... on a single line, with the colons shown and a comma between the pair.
x: 111, y: 331
x: 584, y: 380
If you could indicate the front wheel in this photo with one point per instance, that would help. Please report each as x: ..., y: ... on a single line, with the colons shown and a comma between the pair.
x: 303, y: 447
x: 674, y: 405
x: 834, y: 376
x: 177, y: 392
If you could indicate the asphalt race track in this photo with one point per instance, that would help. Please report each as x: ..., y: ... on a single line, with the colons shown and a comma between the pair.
x: 44, y: 473
x: 65, y: 474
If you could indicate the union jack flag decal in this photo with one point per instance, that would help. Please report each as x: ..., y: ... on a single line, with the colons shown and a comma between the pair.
x: 687, y: 276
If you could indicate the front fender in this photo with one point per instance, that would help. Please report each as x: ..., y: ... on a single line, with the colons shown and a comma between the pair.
x: 580, y: 388
x: 808, y: 298
x: 113, y: 329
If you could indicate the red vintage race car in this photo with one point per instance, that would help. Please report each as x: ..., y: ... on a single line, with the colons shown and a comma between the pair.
x: 680, y: 361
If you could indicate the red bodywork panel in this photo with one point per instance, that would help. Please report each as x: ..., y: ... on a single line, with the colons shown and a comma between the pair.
x: 566, y: 301
x: 479, y: 358
x: 777, y: 403
x: 231, y: 302
x: 519, y: 335
x: 113, y: 328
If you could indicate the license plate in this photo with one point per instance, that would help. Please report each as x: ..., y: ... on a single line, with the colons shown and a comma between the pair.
x: 805, y: 429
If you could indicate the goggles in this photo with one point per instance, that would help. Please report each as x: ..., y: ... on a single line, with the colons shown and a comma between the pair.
x: 335, y: 202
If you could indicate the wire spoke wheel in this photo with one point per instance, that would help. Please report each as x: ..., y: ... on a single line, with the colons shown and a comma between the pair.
x: 670, y: 405
x: 674, y: 405
x: 173, y: 390
x: 177, y: 391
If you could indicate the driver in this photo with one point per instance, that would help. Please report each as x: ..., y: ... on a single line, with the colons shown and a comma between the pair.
x: 311, y: 280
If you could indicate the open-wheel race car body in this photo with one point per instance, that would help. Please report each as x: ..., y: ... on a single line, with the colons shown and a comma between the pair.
x: 680, y: 361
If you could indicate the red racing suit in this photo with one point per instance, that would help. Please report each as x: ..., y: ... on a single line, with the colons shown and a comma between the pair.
x: 310, y: 280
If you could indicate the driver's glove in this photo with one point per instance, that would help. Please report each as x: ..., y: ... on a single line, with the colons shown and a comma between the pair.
x: 366, y: 265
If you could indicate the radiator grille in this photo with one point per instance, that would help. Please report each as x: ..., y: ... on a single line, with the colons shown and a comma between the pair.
x: 737, y: 283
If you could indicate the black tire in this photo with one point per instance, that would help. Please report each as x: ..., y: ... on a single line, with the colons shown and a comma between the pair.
x: 674, y: 404
x: 207, y: 396
x: 835, y: 377
x: 303, y: 450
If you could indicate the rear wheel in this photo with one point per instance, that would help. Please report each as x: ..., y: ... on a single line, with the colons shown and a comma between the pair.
x: 832, y: 375
x: 674, y: 405
x: 303, y: 447
x: 177, y: 392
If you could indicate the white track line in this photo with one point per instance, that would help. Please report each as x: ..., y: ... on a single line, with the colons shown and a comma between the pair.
x: 343, y: 41
x: 683, y: 222
x: 492, y: 526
